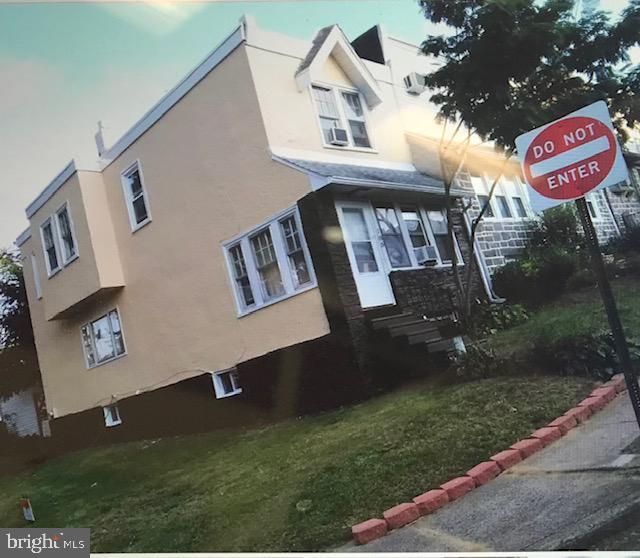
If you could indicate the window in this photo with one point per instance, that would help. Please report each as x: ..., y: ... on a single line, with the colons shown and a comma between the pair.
x: 102, y: 339
x: 484, y: 200
x: 416, y: 232
x: 592, y: 205
x: 521, y: 210
x: 392, y: 237
x: 50, y: 245
x: 270, y: 264
x: 240, y: 275
x: 36, y: 276
x: 136, y: 197
x: 226, y: 383
x: 505, y: 210
x: 111, y: 415
x: 67, y: 237
x: 438, y: 221
x: 327, y: 111
x: 338, y: 108
x: 355, y: 118
x: 267, y: 265
x: 295, y: 252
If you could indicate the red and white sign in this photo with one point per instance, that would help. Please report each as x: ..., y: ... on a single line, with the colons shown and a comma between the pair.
x: 571, y: 157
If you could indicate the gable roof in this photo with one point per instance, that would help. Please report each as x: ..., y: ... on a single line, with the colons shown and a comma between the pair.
x: 331, y: 41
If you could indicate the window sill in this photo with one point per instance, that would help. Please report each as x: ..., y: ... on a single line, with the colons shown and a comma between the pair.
x: 247, y: 311
x: 98, y: 365
x: 351, y: 148
x: 136, y: 228
x: 230, y: 394
x: 71, y: 260
x: 112, y: 424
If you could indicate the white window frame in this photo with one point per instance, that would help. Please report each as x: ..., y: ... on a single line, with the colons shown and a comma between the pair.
x: 36, y: 275
x: 218, y: 386
x: 66, y: 261
x: 426, y: 225
x: 109, y: 420
x: 89, y: 324
x: 502, y: 190
x: 592, y: 202
x: 54, y: 238
x: 277, y: 237
x: 128, y: 199
x: 336, y: 91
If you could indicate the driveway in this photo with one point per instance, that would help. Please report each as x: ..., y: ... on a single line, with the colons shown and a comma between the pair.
x: 550, y: 501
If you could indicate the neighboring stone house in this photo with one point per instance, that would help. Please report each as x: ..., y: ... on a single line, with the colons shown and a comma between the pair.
x: 269, y: 239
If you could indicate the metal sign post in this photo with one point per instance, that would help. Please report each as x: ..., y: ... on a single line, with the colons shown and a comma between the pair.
x: 609, y: 301
x: 563, y: 161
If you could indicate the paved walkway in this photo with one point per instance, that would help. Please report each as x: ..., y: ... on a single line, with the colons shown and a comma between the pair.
x: 558, y: 495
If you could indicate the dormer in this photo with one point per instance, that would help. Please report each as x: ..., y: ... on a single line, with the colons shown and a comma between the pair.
x: 331, y: 42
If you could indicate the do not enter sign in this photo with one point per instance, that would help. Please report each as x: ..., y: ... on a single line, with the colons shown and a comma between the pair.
x: 570, y: 157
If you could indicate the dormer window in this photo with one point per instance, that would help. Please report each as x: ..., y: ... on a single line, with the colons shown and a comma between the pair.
x: 342, y: 117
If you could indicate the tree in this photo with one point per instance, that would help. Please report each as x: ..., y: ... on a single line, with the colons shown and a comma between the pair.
x: 509, y: 66
x: 18, y: 361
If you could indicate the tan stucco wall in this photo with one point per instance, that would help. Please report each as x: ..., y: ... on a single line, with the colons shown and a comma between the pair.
x: 209, y: 176
x: 97, y: 265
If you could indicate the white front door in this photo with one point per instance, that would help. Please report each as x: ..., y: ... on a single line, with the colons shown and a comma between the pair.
x: 368, y: 263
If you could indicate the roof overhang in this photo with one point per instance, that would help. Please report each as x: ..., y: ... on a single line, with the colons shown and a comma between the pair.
x: 51, y: 188
x: 322, y: 174
x: 336, y: 44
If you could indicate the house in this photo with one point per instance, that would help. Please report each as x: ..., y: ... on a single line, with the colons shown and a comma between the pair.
x: 268, y: 239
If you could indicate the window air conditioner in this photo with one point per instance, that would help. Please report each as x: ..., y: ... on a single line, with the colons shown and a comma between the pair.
x: 415, y: 83
x: 426, y: 255
x: 338, y: 136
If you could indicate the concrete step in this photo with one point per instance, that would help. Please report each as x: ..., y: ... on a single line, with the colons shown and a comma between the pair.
x: 389, y: 321
x: 417, y: 326
x: 424, y: 337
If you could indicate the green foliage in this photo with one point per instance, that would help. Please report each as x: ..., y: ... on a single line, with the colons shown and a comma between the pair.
x: 490, y: 318
x: 584, y: 355
x: 512, y: 65
x: 18, y: 360
x: 15, y: 320
x: 558, y: 226
x: 541, y: 277
x: 627, y: 242
x: 478, y: 363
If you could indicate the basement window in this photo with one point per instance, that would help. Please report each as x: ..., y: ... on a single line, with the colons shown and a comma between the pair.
x: 226, y: 383
x: 111, y: 415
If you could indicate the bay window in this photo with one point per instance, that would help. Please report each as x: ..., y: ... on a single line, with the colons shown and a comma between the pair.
x: 58, y: 240
x: 270, y: 263
x: 50, y: 245
x: 67, y: 238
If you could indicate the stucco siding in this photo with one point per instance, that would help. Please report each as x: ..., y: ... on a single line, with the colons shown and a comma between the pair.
x: 209, y: 176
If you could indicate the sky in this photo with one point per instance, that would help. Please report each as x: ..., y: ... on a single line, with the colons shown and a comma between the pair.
x: 66, y: 66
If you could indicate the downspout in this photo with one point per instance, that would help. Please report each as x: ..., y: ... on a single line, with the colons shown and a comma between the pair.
x: 613, y: 217
x: 482, y: 265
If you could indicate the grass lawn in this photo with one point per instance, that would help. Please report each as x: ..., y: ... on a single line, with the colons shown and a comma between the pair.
x: 572, y: 315
x: 295, y: 486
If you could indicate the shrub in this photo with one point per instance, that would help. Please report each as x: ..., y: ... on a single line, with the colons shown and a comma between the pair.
x: 542, y: 276
x: 557, y: 226
x: 585, y: 355
x: 489, y: 318
x: 628, y: 241
x: 477, y: 363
